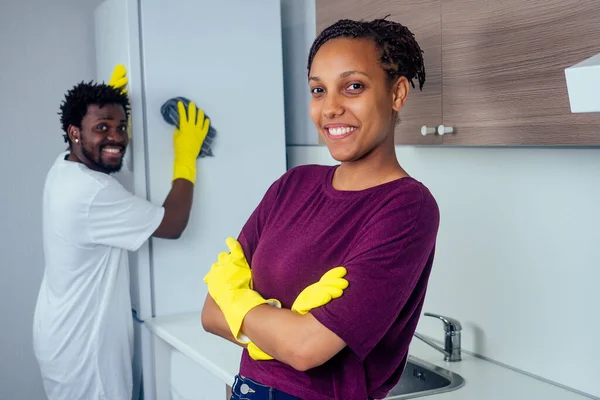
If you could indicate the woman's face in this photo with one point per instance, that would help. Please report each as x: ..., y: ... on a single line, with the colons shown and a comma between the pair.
x: 352, y: 104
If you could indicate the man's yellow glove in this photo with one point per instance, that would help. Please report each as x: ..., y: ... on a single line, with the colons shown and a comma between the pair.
x: 118, y: 79
x: 229, y: 284
x: 187, y: 141
x: 329, y: 287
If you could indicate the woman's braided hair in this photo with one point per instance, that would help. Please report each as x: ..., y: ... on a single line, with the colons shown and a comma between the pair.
x: 400, y: 54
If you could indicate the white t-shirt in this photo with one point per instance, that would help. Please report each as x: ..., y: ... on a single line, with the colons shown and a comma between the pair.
x: 83, y: 328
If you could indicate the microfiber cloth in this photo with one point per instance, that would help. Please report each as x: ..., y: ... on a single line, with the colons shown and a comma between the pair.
x: 171, y: 115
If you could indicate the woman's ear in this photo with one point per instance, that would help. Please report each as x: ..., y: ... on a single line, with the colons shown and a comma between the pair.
x: 400, y: 93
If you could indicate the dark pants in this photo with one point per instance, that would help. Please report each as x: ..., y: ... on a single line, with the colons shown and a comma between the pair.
x: 247, y: 389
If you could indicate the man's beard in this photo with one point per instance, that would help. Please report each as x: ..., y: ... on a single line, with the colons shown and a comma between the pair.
x: 97, y: 161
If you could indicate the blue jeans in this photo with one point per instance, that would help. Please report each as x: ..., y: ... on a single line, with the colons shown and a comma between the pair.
x: 247, y: 389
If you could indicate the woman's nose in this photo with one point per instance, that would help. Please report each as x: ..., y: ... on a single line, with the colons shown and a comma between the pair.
x: 332, y: 107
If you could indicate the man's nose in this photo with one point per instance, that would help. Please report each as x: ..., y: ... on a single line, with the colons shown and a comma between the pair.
x: 117, y: 136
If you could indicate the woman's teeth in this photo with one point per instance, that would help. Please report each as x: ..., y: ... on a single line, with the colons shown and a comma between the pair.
x: 340, y: 131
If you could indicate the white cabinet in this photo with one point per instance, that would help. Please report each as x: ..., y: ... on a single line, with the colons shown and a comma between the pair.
x: 191, y: 363
x: 181, y: 378
x: 190, y: 381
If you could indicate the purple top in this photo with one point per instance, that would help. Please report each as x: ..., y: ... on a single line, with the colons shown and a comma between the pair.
x: 384, y: 236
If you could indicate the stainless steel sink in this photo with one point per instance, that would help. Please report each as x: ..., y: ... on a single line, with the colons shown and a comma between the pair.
x: 421, y: 378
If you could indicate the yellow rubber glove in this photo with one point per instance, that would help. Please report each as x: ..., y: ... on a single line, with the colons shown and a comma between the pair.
x: 118, y: 79
x: 329, y: 287
x: 188, y: 140
x: 229, y: 281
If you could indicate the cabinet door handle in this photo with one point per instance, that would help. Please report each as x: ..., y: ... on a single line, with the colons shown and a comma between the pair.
x: 445, y: 129
x: 427, y: 130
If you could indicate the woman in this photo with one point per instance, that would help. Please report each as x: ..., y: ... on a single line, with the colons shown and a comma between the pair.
x: 366, y: 214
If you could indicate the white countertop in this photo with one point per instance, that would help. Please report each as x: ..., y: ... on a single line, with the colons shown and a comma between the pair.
x: 484, y: 380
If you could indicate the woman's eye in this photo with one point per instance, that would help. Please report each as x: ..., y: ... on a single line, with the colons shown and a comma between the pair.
x: 355, y: 86
x: 101, y: 127
x: 123, y: 128
x: 316, y: 90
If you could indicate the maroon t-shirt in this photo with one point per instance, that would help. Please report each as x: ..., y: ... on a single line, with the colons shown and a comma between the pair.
x: 385, y: 237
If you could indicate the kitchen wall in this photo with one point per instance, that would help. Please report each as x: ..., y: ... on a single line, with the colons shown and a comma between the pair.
x: 517, y: 260
x: 517, y: 257
x: 45, y: 47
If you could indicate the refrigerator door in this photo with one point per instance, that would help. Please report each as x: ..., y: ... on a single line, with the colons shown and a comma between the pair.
x: 230, y: 64
x: 227, y: 57
x: 118, y: 42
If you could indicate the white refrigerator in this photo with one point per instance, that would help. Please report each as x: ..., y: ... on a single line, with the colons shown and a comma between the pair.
x: 225, y: 55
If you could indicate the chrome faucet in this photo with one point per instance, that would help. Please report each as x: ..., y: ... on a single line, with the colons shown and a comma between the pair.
x: 452, y: 328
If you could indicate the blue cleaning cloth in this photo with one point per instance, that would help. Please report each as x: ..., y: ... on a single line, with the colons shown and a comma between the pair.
x: 171, y: 115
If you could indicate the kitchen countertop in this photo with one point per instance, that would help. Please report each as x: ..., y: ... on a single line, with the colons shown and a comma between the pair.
x: 484, y: 380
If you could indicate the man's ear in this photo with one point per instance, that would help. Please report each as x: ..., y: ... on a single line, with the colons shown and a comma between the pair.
x: 74, y: 133
x: 400, y: 91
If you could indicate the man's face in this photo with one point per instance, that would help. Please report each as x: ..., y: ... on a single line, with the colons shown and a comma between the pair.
x: 103, y: 138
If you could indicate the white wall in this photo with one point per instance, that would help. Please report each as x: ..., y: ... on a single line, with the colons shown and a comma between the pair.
x: 45, y: 48
x: 517, y: 259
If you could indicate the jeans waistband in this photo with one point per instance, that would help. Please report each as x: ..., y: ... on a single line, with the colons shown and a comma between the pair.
x: 247, y: 389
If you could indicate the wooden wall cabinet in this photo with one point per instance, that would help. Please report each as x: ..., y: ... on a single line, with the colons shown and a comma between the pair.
x: 494, y: 69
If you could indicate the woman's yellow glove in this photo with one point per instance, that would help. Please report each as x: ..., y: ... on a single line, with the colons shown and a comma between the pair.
x: 257, y: 354
x: 229, y: 284
x: 118, y: 79
x: 329, y: 287
x: 187, y: 141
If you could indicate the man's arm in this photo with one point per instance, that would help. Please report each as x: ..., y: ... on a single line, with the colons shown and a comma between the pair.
x: 187, y: 140
x: 177, y: 205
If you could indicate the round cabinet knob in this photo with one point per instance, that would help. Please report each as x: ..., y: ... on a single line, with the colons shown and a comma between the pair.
x: 445, y: 129
x: 427, y: 131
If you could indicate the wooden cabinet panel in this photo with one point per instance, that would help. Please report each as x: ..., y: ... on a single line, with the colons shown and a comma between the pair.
x: 503, y: 70
x: 423, y: 18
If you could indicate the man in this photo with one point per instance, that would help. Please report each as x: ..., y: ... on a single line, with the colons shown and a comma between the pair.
x: 83, y: 330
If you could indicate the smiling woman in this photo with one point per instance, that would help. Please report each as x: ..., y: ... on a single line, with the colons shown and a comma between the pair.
x: 335, y: 336
x: 359, y: 75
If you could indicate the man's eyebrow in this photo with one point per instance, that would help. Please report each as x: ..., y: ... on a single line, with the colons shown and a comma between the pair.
x: 109, y: 118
